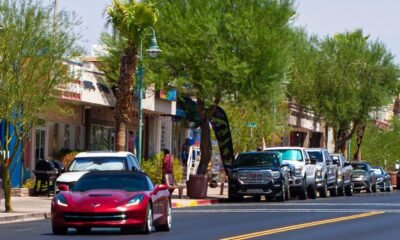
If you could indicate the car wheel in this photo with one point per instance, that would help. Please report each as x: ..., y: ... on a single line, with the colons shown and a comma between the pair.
x: 234, y: 197
x: 148, y: 226
x: 369, y: 188
x: 60, y: 230
x: 312, y: 191
x: 168, y: 224
x: 281, y: 196
x: 389, y: 188
x: 349, y: 190
x: 324, y: 191
x: 334, y: 190
x: 383, y: 187
x: 341, y: 189
x: 287, y: 193
x: 374, y: 187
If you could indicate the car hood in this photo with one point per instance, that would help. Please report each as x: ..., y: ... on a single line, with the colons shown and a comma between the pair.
x: 70, y: 176
x: 99, y: 199
x: 295, y: 163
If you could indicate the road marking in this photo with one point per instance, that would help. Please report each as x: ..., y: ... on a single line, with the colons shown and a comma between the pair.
x: 24, y: 230
x: 301, y: 210
x: 300, y: 226
x: 312, y: 204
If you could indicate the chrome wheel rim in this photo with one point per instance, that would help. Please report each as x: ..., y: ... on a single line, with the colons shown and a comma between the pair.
x: 169, y: 215
x: 149, y: 220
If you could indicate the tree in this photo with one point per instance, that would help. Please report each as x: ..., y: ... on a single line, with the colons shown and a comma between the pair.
x: 346, y: 77
x: 32, y: 54
x: 222, y: 51
x: 129, y: 21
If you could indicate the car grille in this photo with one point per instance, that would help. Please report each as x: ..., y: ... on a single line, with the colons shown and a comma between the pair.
x: 255, y: 177
x: 94, y: 217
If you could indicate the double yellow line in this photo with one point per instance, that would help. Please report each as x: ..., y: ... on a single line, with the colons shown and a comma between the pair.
x: 300, y: 226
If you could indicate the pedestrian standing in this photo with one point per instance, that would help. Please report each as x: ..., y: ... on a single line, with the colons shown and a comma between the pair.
x: 167, y: 164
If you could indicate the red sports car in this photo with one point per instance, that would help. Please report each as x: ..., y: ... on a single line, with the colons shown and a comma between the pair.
x: 112, y: 199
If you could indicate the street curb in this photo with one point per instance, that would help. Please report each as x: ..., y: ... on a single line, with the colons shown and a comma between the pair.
x: 24, y: 217
x: 195, y: 203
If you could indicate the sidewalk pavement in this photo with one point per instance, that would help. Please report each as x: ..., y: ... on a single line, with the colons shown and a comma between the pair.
x: 37, y: 208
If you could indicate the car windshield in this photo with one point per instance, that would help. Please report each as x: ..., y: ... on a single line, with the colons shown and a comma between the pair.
x: 359, y: 167
x: 97, y: 163
x: 125, y: 182
x: 378, y: 171
x: 317, y: 155
x: 288, y: 154
x: 257, y: 160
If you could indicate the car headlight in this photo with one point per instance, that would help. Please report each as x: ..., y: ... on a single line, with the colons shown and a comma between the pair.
x: 60, y: 200
x: 275, y: 175
x: 379, y: 179
x: 135, y: 200
x: 234, y: 175
x: 299, y: 172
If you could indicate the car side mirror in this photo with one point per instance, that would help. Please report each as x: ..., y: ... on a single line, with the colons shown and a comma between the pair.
x: 160, y: 187
x: 134, y: 169
x: 63, y: 187
x: 308, y: 161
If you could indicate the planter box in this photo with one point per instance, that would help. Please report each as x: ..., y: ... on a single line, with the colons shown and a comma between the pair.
x: 20, y: 192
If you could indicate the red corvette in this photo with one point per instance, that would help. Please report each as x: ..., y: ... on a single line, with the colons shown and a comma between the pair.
x: 112, y: 199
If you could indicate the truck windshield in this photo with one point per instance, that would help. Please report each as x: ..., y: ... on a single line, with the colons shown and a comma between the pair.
x: 288, y: 154
x: 257, y: 160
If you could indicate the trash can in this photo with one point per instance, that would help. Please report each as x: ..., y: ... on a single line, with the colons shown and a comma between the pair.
x: 393, y: 179
x: 197, y: 186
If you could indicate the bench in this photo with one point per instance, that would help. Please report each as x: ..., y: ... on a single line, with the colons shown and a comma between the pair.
x: 172, y: 185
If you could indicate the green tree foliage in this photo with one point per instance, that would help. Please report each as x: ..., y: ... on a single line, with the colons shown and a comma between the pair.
x: 130, y: 20
x: 153, y: 168
x: 32, y: 53
x: 343, y: 78
x: 381, y: 147
x: 222, y: 51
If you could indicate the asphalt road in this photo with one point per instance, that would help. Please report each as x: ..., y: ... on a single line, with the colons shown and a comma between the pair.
x: 363, y: 216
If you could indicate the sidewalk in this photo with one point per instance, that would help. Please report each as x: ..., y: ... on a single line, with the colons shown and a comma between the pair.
x: 37, y: 208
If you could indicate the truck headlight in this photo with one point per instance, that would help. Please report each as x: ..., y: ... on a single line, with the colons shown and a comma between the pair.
x: 275, y: 175
x: 299, y: 172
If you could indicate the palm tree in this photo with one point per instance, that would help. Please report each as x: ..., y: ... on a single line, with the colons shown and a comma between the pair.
x: 129, y: 20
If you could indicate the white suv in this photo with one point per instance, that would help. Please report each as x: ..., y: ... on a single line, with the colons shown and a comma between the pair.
x: 98, y: 161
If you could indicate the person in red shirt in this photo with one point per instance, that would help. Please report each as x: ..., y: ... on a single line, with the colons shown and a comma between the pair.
x: 167, y: 164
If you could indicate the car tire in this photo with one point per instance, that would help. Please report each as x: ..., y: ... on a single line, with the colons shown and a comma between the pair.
x: 148, y: 226
x: 389, y: 188
x: 374, y: 188
x: 334, y: 190
x: 383, y: 189
x: 369, y: 187
x: 60, y: 230
x: 281, y: 197
x: 341, y: 189
x: 348, y: 190
x: 302, y: 194
x: 166, y: 227
x: 234, y: 197
x: 287, y: 193
x: 324, y: 191
x: 312, y: 191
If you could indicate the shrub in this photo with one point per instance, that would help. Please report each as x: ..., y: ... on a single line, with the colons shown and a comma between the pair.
x: 29, y: 183
x: 153, y: 168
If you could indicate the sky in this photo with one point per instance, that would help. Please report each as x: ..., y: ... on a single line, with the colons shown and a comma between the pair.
x: 377, y: 18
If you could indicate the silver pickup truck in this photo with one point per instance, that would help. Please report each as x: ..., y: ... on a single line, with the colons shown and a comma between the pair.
x: 302, y: 181
x: 326, y: 171
x: 345, y: 174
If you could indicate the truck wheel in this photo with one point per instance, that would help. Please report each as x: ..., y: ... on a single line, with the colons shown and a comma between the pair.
x: 257, y: 198
x: 234, y: 197
x: 334, y: 190
x: 341, y: 189
x: 303, y: 191
x: 287, y: 193
x: 324, y: 191
x: 281, y: 196
x: 349, y: 190
x: 312, y: 191
x: 369, y: 187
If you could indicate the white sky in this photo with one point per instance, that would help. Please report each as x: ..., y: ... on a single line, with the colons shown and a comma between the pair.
x: 323, y: 17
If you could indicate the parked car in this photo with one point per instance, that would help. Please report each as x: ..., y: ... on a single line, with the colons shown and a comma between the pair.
x: 326, y: 176
x: 100, y: 161
x: 383, y: 182
x: 302, y: 181
x: 345, y: 174
x: 123, y: 199
x: 363, y: 177
x: 256, y: 174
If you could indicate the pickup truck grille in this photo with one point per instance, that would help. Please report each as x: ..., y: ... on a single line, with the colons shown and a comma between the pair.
x: 254, y: 177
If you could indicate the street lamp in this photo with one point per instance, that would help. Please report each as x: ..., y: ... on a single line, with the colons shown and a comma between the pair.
x: 153, y: 51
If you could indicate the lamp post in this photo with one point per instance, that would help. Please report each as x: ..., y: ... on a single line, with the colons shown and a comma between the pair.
x: 153, y: 51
